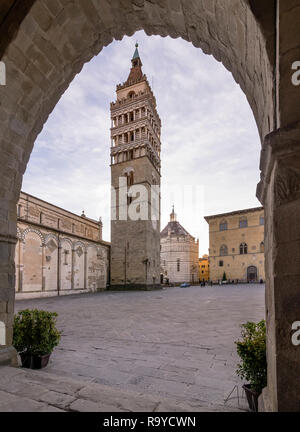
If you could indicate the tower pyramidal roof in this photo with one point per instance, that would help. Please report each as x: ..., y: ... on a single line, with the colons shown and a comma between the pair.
x: 136, y: 73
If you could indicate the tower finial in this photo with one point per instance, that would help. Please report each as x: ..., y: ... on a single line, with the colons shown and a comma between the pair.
x: 173, y: 215
x: 136, y: 55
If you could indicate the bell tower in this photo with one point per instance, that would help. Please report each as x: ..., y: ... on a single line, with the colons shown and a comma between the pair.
x: 135, y: 180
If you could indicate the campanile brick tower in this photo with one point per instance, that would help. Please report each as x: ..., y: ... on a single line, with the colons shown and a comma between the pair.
x: 135, y: 167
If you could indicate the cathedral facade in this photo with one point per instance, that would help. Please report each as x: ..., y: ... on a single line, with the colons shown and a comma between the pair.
x: 236, y: 246
x: 58, y: 252
x: 135, y: 179
x: 179, y: 254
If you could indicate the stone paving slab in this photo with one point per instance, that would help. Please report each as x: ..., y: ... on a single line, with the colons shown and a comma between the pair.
x: 176, y: 345
x: 72, y: 395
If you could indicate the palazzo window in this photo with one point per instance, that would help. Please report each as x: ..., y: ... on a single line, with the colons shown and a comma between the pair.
x: 262, y: 247
x: 243, y: 222
x: 223, y: 226
x: 243, y: 249
x: 223, y: 250
x: 261, y: 220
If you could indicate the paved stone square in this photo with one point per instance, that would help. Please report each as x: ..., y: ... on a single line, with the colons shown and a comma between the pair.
x: 171, y: 345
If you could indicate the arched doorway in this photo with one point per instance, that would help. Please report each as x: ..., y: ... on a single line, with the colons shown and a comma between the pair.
x: 45, y: 49
x: 252, y: 274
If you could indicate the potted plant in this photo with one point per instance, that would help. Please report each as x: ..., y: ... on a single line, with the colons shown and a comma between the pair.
x: 253, y: 367
x: 35, y: 336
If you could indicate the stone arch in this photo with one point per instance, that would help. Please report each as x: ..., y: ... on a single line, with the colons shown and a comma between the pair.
x: 127, y: 171
x: 19, y: 234
x: 50, y: 262
x: 66, y: 263
x: 33, y: 230
x: 80, y: 244
x: 79, y: 265
x: 67, y: 240
x: 32, y: 260
x: 96, y: 268
x: 51, y: 236
x: 59, y: 55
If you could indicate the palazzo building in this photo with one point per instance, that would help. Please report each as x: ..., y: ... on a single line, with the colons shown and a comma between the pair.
x: 236, y: 245
x: 135, y: 179
x: 58, y: 252
x: 204, y: 274
x: 179, y: 254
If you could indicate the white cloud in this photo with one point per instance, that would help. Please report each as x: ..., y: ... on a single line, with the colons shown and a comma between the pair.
x: 209, y: 137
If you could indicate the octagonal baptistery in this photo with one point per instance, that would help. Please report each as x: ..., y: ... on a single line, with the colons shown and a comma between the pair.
x: 179, y: 254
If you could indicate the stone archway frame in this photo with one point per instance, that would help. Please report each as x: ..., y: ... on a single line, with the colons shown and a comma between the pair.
x: 47, y: 50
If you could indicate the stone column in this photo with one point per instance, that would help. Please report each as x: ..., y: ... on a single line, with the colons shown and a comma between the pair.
x: 85, y: 269
x: 21, y: 265
x: 72, y: 269
x: 279, y: 192
x: 59, y: 267
x: 8, y: 355
x: 43, y: 267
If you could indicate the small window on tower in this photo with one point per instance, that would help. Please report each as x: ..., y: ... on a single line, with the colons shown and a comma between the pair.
x: 130, y: 179
x: 178, y: 265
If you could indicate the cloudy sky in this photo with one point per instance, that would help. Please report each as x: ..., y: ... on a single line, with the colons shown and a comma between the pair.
x: 210, y: 143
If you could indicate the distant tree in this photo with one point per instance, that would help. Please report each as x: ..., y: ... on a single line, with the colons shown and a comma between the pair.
x: 224, y: 277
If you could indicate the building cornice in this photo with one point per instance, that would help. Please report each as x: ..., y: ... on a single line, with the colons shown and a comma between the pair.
x: 64, y: 233
x: 233, y: 213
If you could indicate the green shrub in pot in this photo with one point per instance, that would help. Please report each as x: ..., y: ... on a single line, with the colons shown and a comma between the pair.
x: 253, y: 366
x: 35, y: 333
